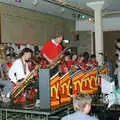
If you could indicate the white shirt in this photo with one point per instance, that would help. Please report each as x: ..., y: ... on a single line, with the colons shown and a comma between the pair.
x: 16, y: 72
x: 53, y: 41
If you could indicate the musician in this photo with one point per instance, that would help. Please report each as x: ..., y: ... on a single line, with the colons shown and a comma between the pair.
x: 52, y: 49
x: 43, y: 63
x: 19, y: 70
x: 67, y: 63
x: 93, y: 61
x: 74, y: 59
x: 84, y: 64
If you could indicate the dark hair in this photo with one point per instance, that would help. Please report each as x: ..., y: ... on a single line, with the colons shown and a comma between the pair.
x: 86, y: 56
x: 14, y: 55
x: 116, y: 44
x: 118, y: 40
x: 26, y: 50
x: 93, y: 56
x: 67, y: 53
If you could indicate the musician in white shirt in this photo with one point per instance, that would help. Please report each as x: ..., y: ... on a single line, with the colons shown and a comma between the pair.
x: 19, y: 69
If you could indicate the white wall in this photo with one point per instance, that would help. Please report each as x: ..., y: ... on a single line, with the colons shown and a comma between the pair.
x: 84, y: 25
x: 109, y: 24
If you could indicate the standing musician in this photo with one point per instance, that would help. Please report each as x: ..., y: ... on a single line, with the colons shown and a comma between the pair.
x: 52, y: 49
x: 19, y: 70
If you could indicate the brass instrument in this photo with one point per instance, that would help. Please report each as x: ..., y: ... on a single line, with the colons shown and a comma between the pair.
x: 3, y: 51
x: 58, y: 59
x: 3, y: 62
x: 26, y: 81
x: 20, y: 89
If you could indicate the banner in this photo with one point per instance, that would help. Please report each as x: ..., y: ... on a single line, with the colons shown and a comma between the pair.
x: 61, y: 88
x: 76, y: 83
x: 104, y: 70
x: 85, y: 82
x: 54, y: 91
x: 65, y: 89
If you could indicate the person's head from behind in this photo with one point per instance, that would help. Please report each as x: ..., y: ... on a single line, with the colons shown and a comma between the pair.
x: 59, y: 38
x: 82, y: 103
x: 26, y: 54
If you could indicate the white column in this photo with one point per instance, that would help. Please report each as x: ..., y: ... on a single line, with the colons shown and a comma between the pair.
x: 92, y: 50
x: 97, y: 7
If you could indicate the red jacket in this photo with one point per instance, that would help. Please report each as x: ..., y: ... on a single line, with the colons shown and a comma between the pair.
x: 93, y: 63
x: 66, y: 66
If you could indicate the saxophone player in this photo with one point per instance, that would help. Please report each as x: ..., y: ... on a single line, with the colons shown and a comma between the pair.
x: 52, y: 49
x: 19, y: 70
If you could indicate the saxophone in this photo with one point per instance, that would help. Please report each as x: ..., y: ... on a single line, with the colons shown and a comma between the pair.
x: 3, y: 62
x: 26, y: 81
x: 58, y: 59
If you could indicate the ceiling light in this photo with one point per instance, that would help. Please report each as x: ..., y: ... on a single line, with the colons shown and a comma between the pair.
x: 83, y: 17
x: 90, y: 19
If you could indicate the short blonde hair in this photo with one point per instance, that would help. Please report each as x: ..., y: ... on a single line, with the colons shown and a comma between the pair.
x: 80, y: 101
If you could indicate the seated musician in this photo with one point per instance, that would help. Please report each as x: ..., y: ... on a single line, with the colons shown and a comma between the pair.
x: 51, y: 50
x: 67, y: 63
x: 80, y: 62
x: 93, y: 61
x: 74, y: 59
x: 43, y: 63
x: 19, y: 70
x: 84, y: 64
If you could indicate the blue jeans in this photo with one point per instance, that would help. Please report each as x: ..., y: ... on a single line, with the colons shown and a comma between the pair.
x: 7, y: 86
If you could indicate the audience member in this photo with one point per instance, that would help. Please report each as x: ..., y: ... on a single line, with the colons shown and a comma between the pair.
x: 82, y: 106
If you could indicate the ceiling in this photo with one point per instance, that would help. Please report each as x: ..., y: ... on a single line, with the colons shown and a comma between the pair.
x: 67, y: 8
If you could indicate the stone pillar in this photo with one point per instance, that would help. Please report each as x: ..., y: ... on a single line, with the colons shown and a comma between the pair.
x: 97, y: 7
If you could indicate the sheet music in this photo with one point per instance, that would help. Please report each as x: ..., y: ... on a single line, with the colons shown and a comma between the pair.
x: 107, y: 86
